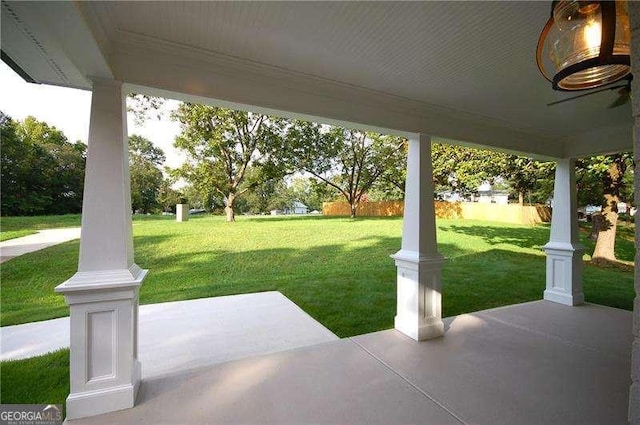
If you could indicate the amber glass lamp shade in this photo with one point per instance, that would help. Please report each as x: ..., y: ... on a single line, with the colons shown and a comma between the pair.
x: 586, y: 43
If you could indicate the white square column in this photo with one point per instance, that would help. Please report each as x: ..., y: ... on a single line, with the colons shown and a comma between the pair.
x: 103, y: 294
x: 564, y: 251
x: 182, y: 212
x: 419, y: 264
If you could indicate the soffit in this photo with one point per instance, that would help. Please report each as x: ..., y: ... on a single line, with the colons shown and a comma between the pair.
x: 471, y: 57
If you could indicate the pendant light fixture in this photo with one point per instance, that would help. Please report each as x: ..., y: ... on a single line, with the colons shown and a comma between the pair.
x: 587, y: 43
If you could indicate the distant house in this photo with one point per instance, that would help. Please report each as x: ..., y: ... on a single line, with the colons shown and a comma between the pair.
x: 450, y: 196
x: 297, y: 208
x: 487, y: 195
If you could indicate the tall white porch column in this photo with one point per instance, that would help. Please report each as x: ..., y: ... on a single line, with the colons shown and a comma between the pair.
x: 419, y: 312
x: 564, y: 251
x: 103, y: 294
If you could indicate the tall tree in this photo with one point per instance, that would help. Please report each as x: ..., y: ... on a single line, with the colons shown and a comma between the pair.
x: 350, y: 161
x: 65, y: 171
x: 462, y: 169
x: 42, y: 173
x: 310, y: 192
x: 145, y: 160
x: 69, y: 160
x: 221, y: 145
x: 607, y: 172
x: 529, y: 177
x: 32, y: 130
x: 141, y: 106
x: 266, y: 197
x: 391, y: 185
x: 22, y: 177
x: 167, y: 196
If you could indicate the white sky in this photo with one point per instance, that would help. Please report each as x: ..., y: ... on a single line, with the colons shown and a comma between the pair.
x: 68, y: 110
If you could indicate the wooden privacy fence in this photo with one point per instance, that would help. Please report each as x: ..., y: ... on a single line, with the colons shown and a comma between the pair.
x: 510, y: 213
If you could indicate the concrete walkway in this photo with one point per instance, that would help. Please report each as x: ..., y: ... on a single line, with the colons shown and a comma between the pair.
x: 183, y: 335
x: 43, y: 239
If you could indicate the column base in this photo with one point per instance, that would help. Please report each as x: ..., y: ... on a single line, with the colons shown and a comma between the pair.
x: 105, y: 400
x: 419, y: 332
x: 564, y: 298
x: 104, y: 370
x: 418, y: 311
x: 564, y: 273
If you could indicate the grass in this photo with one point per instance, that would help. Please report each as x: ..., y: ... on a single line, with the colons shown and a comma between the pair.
x: 40, y: 222
x: 336, y: 269
x: 12, y: 234
x: 16, y: 227
x: 38, y: 380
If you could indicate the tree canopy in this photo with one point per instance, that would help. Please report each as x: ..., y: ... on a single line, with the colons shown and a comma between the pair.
x: 529, y: 178
x: 462, y: 169
x: 222, y: 145
x: 147, y: 179
x: 350, y: 161
x: 41, y: 171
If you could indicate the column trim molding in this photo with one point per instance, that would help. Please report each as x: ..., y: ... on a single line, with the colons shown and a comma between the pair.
x: 418, y: 258
x: 103, y: 279
x: 564, y: 246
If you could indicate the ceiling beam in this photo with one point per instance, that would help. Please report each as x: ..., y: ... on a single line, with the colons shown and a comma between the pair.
x: 147, y: 62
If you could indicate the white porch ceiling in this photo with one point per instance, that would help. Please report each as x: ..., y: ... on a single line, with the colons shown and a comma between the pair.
x: 458, y: 70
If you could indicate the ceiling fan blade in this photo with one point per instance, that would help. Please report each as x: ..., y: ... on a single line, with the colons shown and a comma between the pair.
x: 621, y: 100
x: 586, y: 94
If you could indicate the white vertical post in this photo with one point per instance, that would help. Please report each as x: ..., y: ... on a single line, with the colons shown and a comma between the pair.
x: 103, y: 294
x: 182, y: 212
x: 564, y: 251
x: 634, y: 392
x: 419, y: 264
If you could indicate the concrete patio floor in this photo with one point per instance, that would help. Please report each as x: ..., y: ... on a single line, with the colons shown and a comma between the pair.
x: 534, y: 363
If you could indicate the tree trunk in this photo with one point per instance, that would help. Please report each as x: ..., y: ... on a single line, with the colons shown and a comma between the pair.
x: 597, y: 224
x: 605, y: 245
x: 354, y: 209
x: 228, y: 209
x: 521, y: 198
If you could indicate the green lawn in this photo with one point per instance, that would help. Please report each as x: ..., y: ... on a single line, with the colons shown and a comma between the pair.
x: 12, y: 234
x: 39, y: 380
x: 39, y: 222
x: 16, y: 227
x: 337, y: 269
